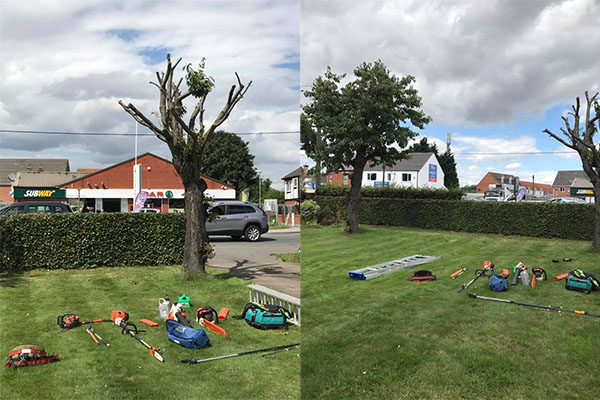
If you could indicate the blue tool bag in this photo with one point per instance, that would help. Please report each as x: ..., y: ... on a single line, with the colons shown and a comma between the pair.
x: 186, y: 336
x: 498, y: 283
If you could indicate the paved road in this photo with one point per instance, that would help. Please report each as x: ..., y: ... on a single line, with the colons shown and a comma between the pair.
x: 253, y: 261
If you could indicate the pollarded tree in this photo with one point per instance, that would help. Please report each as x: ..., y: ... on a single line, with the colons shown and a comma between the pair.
x: 580, y: 137
x: 361, y: 121
x: 186, y: 141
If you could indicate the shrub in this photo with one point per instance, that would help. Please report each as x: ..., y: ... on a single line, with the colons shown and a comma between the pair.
x: 309, y: 212
x: 326, y: 216
x: 90, y: 240
x: 392, y: 192
x: 566, y: 221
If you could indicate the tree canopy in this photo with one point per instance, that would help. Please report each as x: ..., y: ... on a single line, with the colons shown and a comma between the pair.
x: 228, y: 159
x: 360, y: 121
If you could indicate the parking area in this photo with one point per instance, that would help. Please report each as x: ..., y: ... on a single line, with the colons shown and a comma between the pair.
x: 255, y: 262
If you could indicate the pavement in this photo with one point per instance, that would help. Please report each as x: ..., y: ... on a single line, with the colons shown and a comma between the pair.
x: 255, y: 262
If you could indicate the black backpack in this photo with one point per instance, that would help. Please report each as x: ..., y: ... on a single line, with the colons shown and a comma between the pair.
x: 423, y: 275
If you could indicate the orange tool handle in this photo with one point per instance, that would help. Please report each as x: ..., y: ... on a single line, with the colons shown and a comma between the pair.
x: 93, y: 337
x: 457, y: 273
x: 559, y: 277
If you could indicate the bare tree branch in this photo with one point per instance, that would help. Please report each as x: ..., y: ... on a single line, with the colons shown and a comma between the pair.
x: 142, y: 119
x: 571, y: 146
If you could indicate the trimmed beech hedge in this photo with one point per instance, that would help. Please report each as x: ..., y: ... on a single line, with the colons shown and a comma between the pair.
x: 392, y: 192
x: 565, y: 221
x: 90, y: 240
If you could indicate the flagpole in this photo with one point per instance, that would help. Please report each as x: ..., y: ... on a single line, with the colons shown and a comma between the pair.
x: 136, y: 133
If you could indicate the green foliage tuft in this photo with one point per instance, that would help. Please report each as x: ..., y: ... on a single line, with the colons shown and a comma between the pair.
x: 566, y: 221
x: 198, y: 82
x: 54, y: 241
x: 309, y: 212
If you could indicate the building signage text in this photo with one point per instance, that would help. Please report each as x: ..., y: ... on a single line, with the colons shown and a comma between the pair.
x: 23, y: 193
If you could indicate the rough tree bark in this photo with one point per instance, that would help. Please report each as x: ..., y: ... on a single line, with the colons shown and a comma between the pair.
x: 353, y: 209
x: 581, y: 139
x: 186, y: 142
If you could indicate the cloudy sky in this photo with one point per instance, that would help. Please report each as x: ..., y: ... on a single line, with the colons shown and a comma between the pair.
x: 65, y: 64
x: 494, y: 74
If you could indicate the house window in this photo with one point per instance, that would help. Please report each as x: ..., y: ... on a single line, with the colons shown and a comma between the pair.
x: 562, y: 188
x: 389, y: 176
x: 372, y: 176
x: 295, y: 183
x: 406, y: 177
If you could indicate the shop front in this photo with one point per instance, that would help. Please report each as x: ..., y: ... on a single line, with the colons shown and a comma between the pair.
x: 112, y: 189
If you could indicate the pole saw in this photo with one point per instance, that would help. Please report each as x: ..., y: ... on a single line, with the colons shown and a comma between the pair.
x: 273, y: 349
x: 550, y: 308
x: 487, y: 266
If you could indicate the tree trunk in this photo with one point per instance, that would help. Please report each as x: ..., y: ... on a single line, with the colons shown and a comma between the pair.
x: 197, y: 249
x: 353, y: 209
x: 596, y: 242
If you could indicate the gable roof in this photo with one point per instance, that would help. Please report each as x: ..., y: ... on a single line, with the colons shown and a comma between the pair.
x: 46, y: 179
x: 582, y: 183
x: 100, y: 171
x: 414, y: 162
x: 297, y: 172
x: 14, y: 165
x: 566, y: 178
x: 503, y: 178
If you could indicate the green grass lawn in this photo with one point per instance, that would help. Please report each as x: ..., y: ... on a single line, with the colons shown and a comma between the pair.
x: 289, y: 257
x: 390, y: 338
x: 31, y: 302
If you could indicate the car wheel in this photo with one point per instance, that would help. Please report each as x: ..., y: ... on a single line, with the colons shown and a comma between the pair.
x: 252, y: 233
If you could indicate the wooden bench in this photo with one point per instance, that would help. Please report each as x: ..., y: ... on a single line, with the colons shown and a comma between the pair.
x: 261, y: 294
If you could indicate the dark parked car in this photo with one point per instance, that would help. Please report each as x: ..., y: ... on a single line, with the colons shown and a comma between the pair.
x: 237, y: 219
x: 34, y: 207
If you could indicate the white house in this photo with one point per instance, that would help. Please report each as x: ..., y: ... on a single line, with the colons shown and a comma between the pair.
x: 292, y: 183
x: 419, y: 170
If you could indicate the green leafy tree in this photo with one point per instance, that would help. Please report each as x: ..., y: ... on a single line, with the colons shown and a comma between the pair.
x: 228, y: 160
x: 187, y: 143
x: 361, y: 120
x: 580, y: 137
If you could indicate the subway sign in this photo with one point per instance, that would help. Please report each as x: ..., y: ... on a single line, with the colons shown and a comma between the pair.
x: 26, y: 193
x: 582, y: 192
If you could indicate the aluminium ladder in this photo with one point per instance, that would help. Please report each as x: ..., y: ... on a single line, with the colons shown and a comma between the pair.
x: 391, y: 266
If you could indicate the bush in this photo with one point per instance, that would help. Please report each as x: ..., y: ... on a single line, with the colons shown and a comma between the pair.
x: 326, y: 216
x: 309, y: 212
x: 566, y: 221
x: 392, y: 192
x: 90, y: 240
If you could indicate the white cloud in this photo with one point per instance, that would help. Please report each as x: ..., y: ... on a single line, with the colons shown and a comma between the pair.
x: 476, y: 148
x: 65, y: 64
x: 476, y: 62
x: 513, y: 166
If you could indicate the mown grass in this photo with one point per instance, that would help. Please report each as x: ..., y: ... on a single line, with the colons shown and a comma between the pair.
x: 390, y: 338
x: 30, y: 303
x: 289, y: 257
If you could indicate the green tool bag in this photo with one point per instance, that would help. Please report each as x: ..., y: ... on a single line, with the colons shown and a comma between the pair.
x: 265, y: 316
x: 580, y: 285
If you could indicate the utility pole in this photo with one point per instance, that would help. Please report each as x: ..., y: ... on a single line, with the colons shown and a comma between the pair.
x: 533, y: 185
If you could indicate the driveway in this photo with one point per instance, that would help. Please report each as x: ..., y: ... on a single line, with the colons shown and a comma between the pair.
x: 253, y: 261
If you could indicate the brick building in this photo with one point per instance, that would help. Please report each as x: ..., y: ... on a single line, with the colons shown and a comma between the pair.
x: 112, y: 189
x: 564, y: 181
x: 495, y: 179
